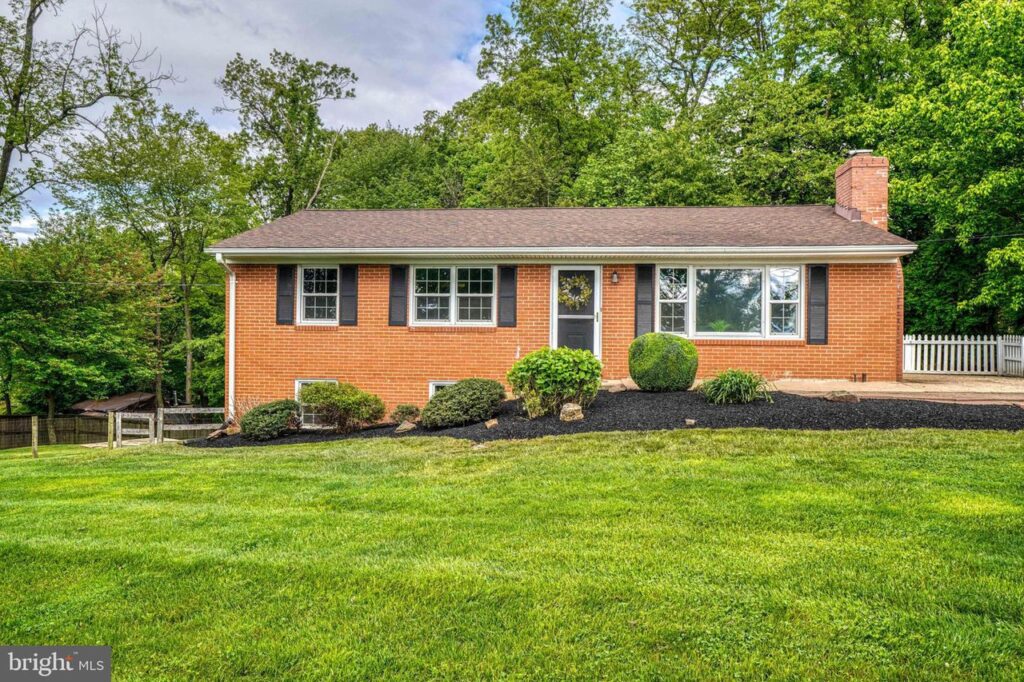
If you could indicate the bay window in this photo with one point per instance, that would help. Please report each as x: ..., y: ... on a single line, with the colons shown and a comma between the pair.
x: 453, y: 295
x: 730, y: 301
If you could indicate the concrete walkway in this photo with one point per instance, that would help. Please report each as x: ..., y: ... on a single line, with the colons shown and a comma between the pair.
x: 934, y: 387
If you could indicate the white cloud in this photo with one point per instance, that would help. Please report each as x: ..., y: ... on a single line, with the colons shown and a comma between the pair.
x: 409, y: 55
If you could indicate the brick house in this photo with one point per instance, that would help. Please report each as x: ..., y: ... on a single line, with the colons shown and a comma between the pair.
x: 400, y: 302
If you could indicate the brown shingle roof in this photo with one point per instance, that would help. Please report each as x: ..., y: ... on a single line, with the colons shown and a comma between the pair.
x: 538, y: 228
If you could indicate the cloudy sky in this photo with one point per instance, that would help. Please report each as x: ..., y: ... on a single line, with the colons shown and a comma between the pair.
x: 409, y: 55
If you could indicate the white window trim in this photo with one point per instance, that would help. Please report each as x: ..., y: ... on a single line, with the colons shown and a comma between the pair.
x: 432, y: 386
x: 298, y: 386
x: 691, y: 304
x: 798, y: 301
x: 300, y: 309
x: 453, y: 296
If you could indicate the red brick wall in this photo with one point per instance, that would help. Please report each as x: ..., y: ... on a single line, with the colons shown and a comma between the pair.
x: 865, y: 335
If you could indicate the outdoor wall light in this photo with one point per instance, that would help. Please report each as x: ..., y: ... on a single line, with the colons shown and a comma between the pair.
x: 615, y: 276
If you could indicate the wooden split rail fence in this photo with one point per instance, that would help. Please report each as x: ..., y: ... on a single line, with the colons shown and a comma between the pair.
x: 153, y: 427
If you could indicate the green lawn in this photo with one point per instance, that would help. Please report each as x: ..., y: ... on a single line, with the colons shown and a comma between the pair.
x: 685, y: 554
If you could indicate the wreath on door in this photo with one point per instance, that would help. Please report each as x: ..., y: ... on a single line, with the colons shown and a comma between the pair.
x: 574, y: 292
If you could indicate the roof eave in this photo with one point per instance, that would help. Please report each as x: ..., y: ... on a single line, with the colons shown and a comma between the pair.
x: 850, y: 253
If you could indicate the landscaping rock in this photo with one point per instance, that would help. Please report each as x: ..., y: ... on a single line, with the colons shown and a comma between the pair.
x: 630, y: 385
x: 491, y: 423
x: 841, y: 397
x: 616, y: 387
x: 571, y: 412
x: 405, y: 427
x: 219, y: 433
x: 691, y: 422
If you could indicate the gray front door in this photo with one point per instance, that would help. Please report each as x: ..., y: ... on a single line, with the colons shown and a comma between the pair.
x: 576, y: 322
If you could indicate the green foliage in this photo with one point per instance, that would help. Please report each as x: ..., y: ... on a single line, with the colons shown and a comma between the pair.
x: 342, y: 406
x: 270, y: 420
x: 735, y: 387
x: 279, y: 110
x: 51, y: 87
x: 548, y: 378
x: 467, y: 402
x: 405, y: 413
x: 662, y: 362
x: 955, y: 135
x: 73, y: 322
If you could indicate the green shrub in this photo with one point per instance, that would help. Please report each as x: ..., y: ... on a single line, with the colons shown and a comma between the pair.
x: 735, y: 386
x: 342, y: 406
x: 466, y: 402
x: 548, y: 378
x: 662, y: 362
x: 405, y: 413
x: 270, y: 420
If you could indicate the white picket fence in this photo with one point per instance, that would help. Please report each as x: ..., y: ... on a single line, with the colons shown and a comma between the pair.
x: 934, y: 354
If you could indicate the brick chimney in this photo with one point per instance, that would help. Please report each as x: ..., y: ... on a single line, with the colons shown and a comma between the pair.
x: 862, y: 188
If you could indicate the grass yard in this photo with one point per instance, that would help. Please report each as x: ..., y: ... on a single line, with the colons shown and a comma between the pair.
x: 687, y: 554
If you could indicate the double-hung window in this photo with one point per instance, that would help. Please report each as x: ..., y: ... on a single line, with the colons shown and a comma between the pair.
x: 784, y: 301
x: 318, y: 303
x: 453, y: 295
x: 673, y: 294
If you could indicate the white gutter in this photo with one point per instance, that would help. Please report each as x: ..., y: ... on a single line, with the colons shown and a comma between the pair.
x: 562, y: 252
x: 231, y: 338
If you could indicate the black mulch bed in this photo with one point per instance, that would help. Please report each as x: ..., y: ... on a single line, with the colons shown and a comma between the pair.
x: 636, y: 411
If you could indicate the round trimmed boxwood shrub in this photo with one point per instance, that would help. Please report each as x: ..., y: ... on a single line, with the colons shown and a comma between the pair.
x: 662, y: 362
x: 548, y: 378
x: 342, y: 406
x: 270, y: 420
x: 465, y: 402
x: 735, y: 387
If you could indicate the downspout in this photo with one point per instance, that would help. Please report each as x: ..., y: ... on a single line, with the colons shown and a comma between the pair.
x: 230, y: 338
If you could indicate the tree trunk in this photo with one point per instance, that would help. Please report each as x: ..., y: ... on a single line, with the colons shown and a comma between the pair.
x: 187, y: 311
x: 20, y: 83
x: 51, y: 413
x: 8, y: 380
x: 158, y: 342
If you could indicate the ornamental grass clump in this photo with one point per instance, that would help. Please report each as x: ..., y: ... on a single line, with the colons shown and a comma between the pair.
x: 662, y: 362
x: 735, y: 387
x: 548, y: 378
x: 342, y: 407
x: 270, y: 420
x: 466, y: 402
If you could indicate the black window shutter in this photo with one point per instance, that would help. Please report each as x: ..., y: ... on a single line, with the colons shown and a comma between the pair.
x: 349, y: 279
x: 507, y: 296
x: 644, y: 299
x: 817, y: 306
x: 286, y: 294
x: 398, y: 301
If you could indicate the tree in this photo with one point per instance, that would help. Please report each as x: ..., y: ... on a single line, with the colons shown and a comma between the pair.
x: 380, y: 167
x: 176, y: 185
x: 693, y: 46
x: 48, y: 87
x: 559, y: 83
x: 279, y: 110
x: 955, y: 137
x: 72, y: 314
